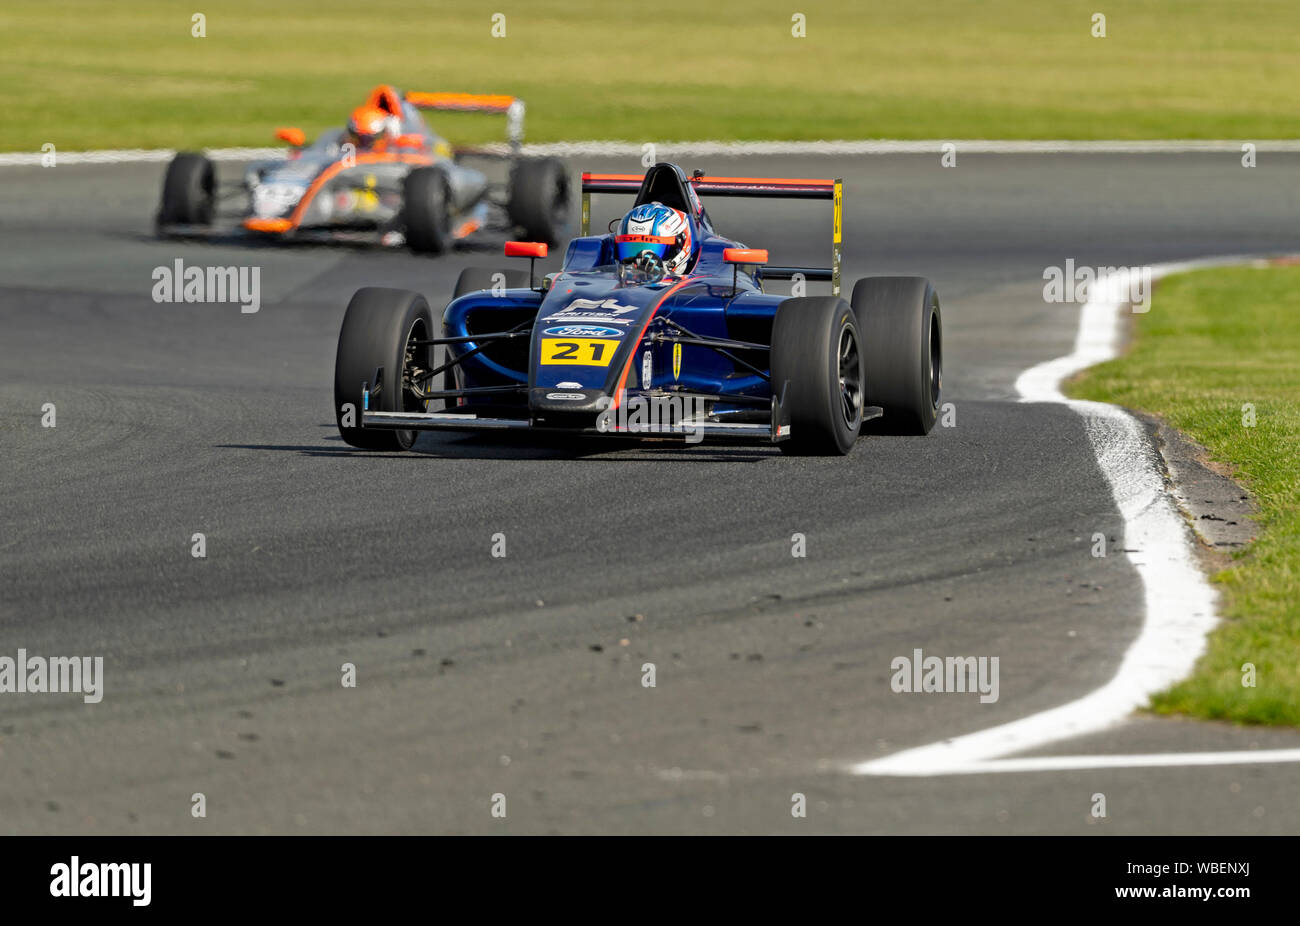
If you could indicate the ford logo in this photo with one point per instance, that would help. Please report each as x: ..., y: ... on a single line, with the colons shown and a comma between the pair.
x: 584, y: 331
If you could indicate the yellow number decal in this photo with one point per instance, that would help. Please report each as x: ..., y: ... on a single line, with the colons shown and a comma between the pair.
x: 586, y: 352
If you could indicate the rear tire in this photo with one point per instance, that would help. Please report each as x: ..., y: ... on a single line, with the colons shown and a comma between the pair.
x: 189, y: 191
x: 473, y: 279
x: 427, y: 198
x: 540, y: 199
x: 817, y: 356
x: 902, y: 334
x: 376, y: 330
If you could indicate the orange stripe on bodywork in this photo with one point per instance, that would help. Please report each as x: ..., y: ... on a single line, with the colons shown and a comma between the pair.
x: 466, y: 228
x: 418, y: 160
x: 622, y: 380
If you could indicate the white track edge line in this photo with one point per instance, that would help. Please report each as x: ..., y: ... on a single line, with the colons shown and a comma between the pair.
x: 1147, y: 760
x: 1179, y: 603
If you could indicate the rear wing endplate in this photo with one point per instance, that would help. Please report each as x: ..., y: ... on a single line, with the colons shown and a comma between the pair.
x: 748, y: 187
x: 511, y: 106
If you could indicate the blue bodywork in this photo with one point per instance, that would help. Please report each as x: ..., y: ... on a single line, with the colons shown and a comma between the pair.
x: 594, y: 324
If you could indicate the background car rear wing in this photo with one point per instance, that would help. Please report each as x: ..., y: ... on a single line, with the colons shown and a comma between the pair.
x: 512, y: 107
x: 749, y: 187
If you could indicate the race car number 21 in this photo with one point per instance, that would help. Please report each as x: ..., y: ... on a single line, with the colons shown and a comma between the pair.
x: 588, y: 352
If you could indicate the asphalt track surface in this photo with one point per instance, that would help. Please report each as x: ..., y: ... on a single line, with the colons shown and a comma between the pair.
x: 522, y: 675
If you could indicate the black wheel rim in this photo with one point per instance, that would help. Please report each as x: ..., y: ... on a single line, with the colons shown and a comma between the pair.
x: 936, y: 360
x: 850, y: 377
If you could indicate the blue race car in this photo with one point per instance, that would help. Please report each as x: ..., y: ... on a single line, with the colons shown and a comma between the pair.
x: 660, y: 328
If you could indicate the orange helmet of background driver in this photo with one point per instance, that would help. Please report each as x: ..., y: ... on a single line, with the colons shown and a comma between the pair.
x: 367, y: 124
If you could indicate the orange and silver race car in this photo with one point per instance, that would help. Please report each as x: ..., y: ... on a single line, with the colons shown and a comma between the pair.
x: 385, y: 177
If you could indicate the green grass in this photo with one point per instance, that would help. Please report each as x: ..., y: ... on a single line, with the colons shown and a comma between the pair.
x: 1214, y: 341
x: 124, y: 73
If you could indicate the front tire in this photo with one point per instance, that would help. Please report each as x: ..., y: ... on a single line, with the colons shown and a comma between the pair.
x: 539, y: 199
x: 189, y: 191
x: 427, y: 205
x: 902, y: 333
x: 817, y: 358
x: 377, y: 331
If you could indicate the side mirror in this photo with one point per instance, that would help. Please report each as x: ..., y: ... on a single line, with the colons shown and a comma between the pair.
x: 295, y: 137
x: 533, y: 249
x: 738, y: 256
x: 530, y: 249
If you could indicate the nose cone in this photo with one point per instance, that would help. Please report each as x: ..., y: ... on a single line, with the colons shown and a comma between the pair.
x: 556, y: 400
x: 583, y: 340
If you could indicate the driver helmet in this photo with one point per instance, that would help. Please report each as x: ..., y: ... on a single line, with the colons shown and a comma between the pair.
x: 368, y: 125
x: 660, y: 230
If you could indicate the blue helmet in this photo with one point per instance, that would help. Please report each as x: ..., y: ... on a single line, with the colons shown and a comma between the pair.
x: 663, y: 231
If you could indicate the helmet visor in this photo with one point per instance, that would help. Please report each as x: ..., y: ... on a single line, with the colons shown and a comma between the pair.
x: 629, y: 246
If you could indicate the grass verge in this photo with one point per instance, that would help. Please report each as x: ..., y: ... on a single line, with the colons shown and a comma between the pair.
x: 94, y: 74
x: 1218, y: 347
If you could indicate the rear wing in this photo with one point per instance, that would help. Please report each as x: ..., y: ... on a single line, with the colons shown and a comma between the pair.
x: 512, y: 107
x: 748, y: 187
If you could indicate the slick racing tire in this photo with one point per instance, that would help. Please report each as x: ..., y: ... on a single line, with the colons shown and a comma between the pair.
x: 377, y: 330
x: 817, y: 359
x: 427, y: 205
x: 473, y: 279
x: 540, y: 199
x: 189, y: 191
x: 902, y: 335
